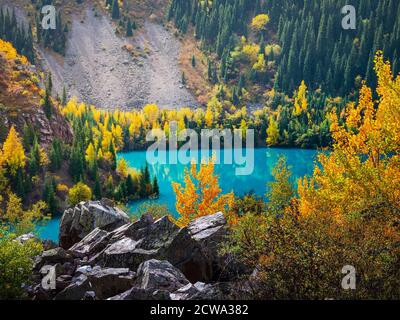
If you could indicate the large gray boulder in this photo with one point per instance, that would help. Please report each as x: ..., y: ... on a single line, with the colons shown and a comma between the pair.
x: 160, y: 275
x: 94, y: 242
x: 104, y: 283
x: 195, y: 250
x: 155, y: 280
x: 132, y: 244
x: 78, y: 222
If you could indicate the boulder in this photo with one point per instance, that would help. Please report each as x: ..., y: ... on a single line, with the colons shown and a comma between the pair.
x: 214, y: 291
x: 78, y: 222
x: 104, y: 283
x: 195, y: 249
x: 160, y: 275
x: 208, y: 228
x: 109, y: 282
x: 25, y: 237
x: 132, y: 244
x: 76, y: 290
x: 184, y: 293
x: 52, y: 257
x: 63, y: 282
x: 200, y: 291
x: 94, y: 242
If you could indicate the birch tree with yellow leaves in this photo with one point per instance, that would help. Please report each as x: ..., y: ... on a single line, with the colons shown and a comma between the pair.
x: 13, y: 152
x: 346, y: 213
x: 363, y: 169
x: 201, y: 195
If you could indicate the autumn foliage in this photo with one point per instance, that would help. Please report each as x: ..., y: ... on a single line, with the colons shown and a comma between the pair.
x: 347, y: 213
x: 201, y: 195
x: 13, y: 155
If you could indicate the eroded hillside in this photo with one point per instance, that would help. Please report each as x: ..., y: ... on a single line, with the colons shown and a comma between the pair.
x: 103, y: 67
x: 21, y: 99
x: 108, y: 71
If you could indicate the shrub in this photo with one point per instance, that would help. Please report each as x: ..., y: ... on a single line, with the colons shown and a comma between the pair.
x: 16, y: 262
x: 78, y: 193
x: 155, y: 210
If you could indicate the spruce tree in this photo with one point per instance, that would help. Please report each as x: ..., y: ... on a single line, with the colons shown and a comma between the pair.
x: 115, y: 10
x: 97, y: 188
x: 129, y: 30
x: 155, y: 187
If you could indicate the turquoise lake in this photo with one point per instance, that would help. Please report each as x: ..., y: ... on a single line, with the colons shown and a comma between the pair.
x: 301, y: 161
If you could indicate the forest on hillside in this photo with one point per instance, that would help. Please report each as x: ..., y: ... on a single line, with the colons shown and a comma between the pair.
x: 283, y: 68
x: 300, y: 40
x: 292, y: 57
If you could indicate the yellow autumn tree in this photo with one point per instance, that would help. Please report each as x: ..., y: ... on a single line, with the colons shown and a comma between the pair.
x: 79, y: 192
x: 209, y: 118
x: 260, y: 65
x: 91, y: 155
x: 300, y: 101
x: 363, y: 169
x: 272, y: 132
x: 201, y: 195
x: 23, y: 221
x: 346, y: 213
x: 122, y: 168
x: 259, y: 22
x: 13, y: 152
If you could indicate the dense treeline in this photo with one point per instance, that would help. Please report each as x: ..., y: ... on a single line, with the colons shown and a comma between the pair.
x: 20, y: 36
x: 313, y: 46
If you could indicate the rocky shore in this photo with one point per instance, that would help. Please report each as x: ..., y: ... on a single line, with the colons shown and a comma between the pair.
x: 102, y: 255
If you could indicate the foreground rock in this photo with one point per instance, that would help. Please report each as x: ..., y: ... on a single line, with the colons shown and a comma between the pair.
x: 78, y: 222
x: 102, y: 282
x: 109, y: 258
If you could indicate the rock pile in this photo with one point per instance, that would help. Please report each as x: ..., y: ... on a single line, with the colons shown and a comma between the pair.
x: 104, y: 256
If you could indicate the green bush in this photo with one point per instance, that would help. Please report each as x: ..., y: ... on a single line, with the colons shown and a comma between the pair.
x: 16, y: 262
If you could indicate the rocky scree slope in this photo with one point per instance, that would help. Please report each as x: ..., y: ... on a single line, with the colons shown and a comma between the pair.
x: 110, y: 71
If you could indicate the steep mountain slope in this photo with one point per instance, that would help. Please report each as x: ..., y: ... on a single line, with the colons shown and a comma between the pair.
x: 103, y: 67
x: 110, y: 71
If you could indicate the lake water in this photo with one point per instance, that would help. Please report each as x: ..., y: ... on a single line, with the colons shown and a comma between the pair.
x: 301, y: 161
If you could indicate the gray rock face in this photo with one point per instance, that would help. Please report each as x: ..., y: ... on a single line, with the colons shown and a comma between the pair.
x: 52, y: 257
x: 160, y: 275
x: 132, y: 244
x: 200, y: 243
x: 103, y: 282
x: 93, y: 242
x: 78, y: 222
x: 76, y: 290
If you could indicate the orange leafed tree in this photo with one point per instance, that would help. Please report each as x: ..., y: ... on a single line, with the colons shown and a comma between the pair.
x: 201, y: 195
x: 363, y: 169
